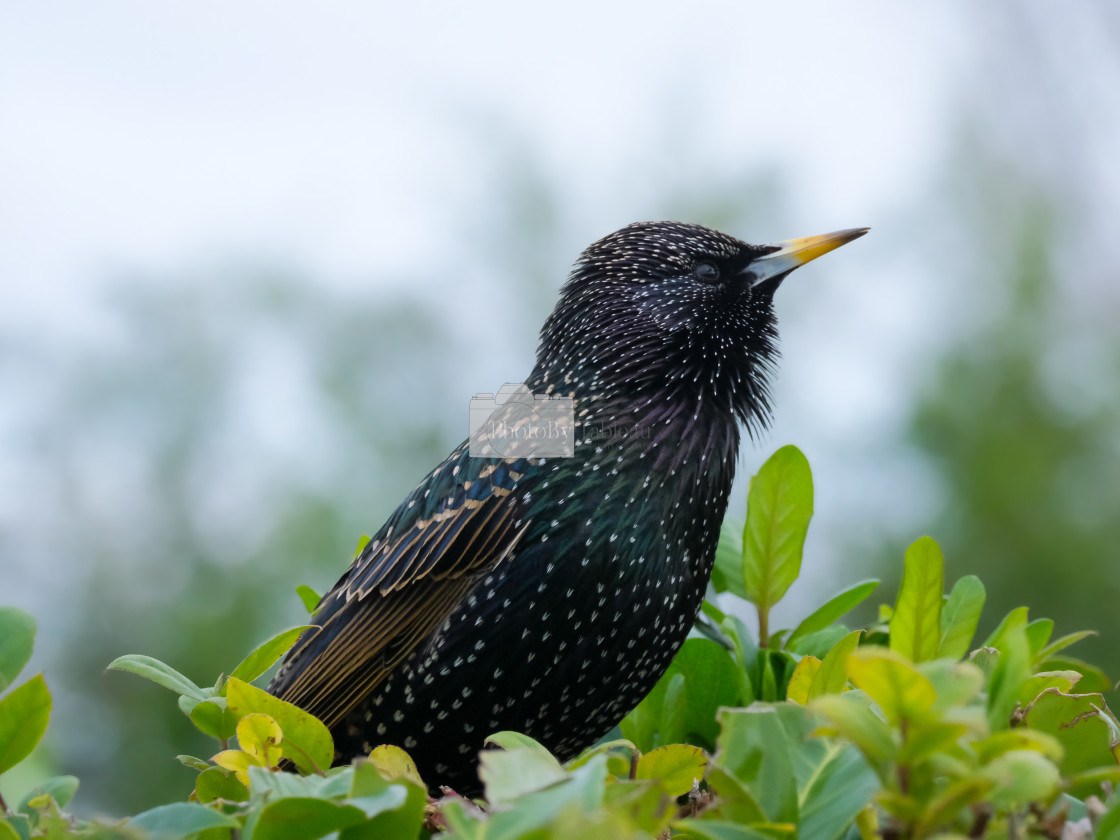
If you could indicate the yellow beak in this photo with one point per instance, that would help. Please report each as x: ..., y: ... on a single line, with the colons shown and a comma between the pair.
x: 794, y: 253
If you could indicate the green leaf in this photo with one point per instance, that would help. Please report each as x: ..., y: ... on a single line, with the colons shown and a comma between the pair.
x: 599, y: 749
x: 832, y: 610
x: 214, y: 718
x: 1082, y: 725
x: 727, y: 573
x: 1012, y: 668
x: 834, y: 783
x: 59, y: 788
x: 734, y: 799
x: 1015, y: 618
x: 580, y: 791
x: 676, y: 766
x: 306, y: 818
x: 798, y: 689
x: 832, y: 676
x: 214, y: 783
x: 1038, y: 634
x: 393, y: 763
x: 309, y: 597
x: 180, y: 819
x: 157, y: 672
x: 1020, y: 777
x: 509, y: 774
x: 1063, y: 643
x: 850, y: 716
x: 900, y: 689
x: 916, y: 624
x: 17, y: 639
x: 1093, y: 679
x: 9, y: 832
x: 307, y: 742
x: 956, y: 683
x: 363, y: 541
x: 721, y: 830
x: 261, y: 659
x: 24, y: 714
x: 959, y: 617
x: 1034, y: 685
x: 756, y: 746
x: 779, y: 507
x: 947, y: 805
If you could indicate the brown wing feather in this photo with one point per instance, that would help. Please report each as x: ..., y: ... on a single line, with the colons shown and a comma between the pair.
x: 394, y: 596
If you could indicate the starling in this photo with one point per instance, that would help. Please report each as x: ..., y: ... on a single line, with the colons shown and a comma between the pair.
x: 548, y: 593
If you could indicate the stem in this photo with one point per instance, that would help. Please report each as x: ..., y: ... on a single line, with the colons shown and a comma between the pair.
x: 3, y: 806
x: 763, y: 627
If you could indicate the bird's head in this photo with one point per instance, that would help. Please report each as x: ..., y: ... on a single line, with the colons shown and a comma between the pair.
x: 671, y: 311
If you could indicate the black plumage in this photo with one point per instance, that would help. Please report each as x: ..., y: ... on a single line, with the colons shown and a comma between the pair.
x: 548, y: 594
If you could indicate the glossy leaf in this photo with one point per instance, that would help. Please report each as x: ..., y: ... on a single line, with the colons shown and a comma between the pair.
x: 157, y: 672
x: 779, y: 507
x: 263, y: 658
x: 24, y: 714
x: 675, y: 766
x: 959, y: 617
x: 832, y: 610
x: 916, y: 624
x: 17, y: 639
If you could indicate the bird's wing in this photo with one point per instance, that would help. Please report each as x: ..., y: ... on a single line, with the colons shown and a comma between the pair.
x: 461, y: 522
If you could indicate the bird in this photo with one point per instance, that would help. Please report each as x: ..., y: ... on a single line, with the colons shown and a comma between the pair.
x: 546, y: 591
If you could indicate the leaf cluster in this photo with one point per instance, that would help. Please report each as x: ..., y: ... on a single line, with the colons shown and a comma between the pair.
x: 905, y: 728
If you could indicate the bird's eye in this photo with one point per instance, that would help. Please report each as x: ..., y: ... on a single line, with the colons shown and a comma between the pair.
x: 706, y: 271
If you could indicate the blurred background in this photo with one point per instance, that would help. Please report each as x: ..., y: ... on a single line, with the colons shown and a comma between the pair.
x: 255, y: 260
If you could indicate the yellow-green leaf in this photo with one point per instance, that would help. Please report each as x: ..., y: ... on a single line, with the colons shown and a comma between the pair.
x: 261, y: 737
x: 677, y: 766
x: 394, y: 763
x: 832, y: 676
x: 307, y: 742
x: 802, y: 678
x: 24, y: 714
x: 901, y: 691
x: 959, y: 617
x: 916, y: 624
x: 263, y: 657
x: 779, y: 507
x: 238, y: 761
